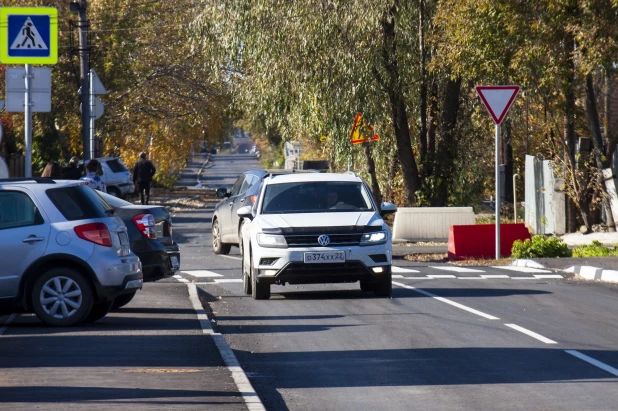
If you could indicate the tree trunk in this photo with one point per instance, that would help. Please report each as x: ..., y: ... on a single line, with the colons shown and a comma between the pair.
x: 569, y: 123
x: 392, y: 171
x: 610, y: 136
x: 423, y: 85
x: 409, y: 168
x: 445, y: 158
x: 432, y: 119
x: 371, y: 169
x: 597, y: 141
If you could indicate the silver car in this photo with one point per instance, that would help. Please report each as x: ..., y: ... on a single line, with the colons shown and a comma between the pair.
x: 64, y: 255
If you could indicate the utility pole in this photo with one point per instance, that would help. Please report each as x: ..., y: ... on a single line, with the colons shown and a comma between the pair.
x: 80, y: 6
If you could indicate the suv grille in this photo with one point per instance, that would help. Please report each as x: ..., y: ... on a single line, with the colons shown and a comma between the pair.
x: 311, y: 240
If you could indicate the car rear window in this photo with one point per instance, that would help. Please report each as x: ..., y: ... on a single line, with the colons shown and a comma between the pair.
x: 116, y: 166
x: 79, y: 202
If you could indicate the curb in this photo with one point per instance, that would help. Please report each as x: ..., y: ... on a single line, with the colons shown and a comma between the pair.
x: 594, y: 273
x: 199, y: 173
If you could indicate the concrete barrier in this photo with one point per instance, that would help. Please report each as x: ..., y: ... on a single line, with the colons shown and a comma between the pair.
x: 429, y: 223
x: 479, y: 241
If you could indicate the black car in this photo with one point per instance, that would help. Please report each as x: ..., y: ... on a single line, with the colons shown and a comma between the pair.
x: 226, y: 224
x: 150, y: 236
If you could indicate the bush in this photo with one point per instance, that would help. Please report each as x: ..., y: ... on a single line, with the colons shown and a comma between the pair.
x: 539, y: 247
x: 596, y: 249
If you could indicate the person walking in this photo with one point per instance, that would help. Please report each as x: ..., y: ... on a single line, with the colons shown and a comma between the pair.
x: 142, y: 176
x: 52, y: 170
x: 92, y: 177
x: 72, y: 171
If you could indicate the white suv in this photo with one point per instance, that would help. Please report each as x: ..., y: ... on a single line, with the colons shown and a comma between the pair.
x: 315, y: 228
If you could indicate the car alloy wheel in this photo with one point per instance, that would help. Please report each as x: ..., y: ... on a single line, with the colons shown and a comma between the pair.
x: 60, y: 297
x: 217, y: 245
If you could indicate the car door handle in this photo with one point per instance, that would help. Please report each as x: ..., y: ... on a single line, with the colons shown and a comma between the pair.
x: 32, y: 239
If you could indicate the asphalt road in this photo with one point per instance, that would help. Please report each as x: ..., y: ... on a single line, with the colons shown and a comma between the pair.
x: 477, y: 338
x: 473, y: 338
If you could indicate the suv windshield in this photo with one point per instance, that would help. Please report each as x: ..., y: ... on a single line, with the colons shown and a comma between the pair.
x: 79, y: 202
x: 316, y: 197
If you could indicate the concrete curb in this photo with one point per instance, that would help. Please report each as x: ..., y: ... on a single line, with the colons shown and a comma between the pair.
x: 199, y: 173
x: 585, y: 271
x: 594, y: 273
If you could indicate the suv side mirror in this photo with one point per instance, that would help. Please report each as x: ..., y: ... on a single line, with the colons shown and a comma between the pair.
x: 387, y: 208
x: 245, y: 212
x: 222, y: 192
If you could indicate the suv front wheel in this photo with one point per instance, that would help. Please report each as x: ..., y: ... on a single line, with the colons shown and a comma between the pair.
x: 259, y: 291
x: 62, y: 297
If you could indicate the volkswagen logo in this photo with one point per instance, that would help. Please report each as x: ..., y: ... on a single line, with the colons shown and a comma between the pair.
x: 323, y: 240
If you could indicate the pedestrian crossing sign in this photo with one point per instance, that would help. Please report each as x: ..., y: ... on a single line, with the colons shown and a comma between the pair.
x: 28, y: 35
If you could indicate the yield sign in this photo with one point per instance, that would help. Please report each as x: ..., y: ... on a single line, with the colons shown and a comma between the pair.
x: 497, y: 100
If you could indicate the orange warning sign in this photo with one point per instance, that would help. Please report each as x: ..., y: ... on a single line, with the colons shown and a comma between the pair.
x: 362, y: 132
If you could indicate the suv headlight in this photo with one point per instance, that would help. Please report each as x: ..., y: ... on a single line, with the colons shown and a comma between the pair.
x: 379, y: 237
x: 271, y: 241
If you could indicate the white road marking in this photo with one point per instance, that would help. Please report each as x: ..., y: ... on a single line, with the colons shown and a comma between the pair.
x: 531, y: 334
x: 233, y: 257
x: 240, y: 378
x: 441, y: 276
x: 447, y: 301
x: 471, y: 278
x: 227, y: 280
x: 458, y: 269
x: 547, y: 276
x: 594, y: 362
x: 397, y: 276
x: 418, y: 278
x: 7, y: 323
x: 395, y: 269
x: 524, y: 278
x: 521, y: 269
x: 201, y: 273
x: 495, y: 276
x: 181, y: 278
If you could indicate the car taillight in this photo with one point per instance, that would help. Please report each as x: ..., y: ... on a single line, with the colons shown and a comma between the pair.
x: 145, y: 223
x: 97, y: 233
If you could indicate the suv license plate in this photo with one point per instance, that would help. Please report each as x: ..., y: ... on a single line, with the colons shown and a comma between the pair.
x: 175, y: 263
x: 326, y: 257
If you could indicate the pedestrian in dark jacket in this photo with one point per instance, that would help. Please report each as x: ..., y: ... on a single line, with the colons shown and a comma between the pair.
x: 72, y: 171
x: 142, y: 176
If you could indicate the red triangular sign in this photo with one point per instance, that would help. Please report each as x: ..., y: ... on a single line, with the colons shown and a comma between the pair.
x: 497, y: 100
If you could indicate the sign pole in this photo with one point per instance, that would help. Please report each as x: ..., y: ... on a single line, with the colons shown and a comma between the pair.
x: 498, y: 199
x: 91, y: 115
x: 28, y: 121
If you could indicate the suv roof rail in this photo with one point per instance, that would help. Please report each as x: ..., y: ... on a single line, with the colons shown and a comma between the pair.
x: 38, y: 180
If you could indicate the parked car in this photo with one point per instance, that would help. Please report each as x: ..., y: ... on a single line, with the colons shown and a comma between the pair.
x: 225, y: 221
x: 315, y: 228
x: 65, y: 255
x: 150, y: 237
x: 116, y: 176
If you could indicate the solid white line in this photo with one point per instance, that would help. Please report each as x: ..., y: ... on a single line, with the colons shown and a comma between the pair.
x: 447, y: 301
x: 458, y: 269
x: 7, y: 323
x: 229, y: 256
x: 544, y: 276
x: 417, y: 278
x: 531, y: 334
x: 201, y: 273
x: 521, y: 269
x: 441, y: 276
x: 240, y: 378
x: 395, y: 269
x: 594, y: 362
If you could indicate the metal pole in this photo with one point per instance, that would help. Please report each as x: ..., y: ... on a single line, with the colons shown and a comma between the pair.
x: 83, y: 70
x: 93, y: 151
x: 515, y: 198
x: 28, y: 121
x: 498, y: 191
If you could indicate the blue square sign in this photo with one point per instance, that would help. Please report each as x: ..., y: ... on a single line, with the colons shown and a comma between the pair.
x: 28, y: 35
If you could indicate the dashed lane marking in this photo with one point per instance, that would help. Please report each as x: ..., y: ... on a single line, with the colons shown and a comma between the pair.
x: 227, y: 280
x: 395, y: 269
x: 531, y: 334
x: 458, y: 269
x: 594, y: 362
x: 447, y: 301
x: 492, y: 276
x: 238, y: 375
x: 441, y: 276
x: 547, y: 276
x: 181, y: 278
